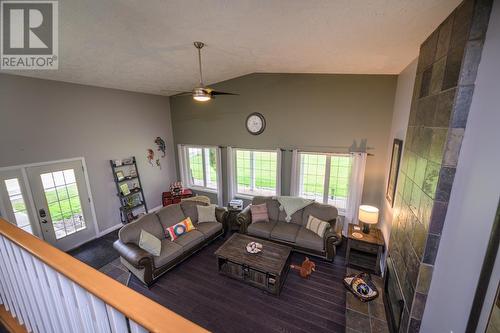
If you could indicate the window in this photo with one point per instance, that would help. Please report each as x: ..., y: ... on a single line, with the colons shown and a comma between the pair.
x: 199, y: 166
x: 324, y: 178
x: 256, y: 172
x: 18, y: 204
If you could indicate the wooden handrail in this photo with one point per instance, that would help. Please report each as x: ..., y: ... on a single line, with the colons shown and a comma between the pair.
x: 145, y: 312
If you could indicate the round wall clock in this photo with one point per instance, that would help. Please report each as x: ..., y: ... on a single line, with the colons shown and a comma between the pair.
x: 256, y: 123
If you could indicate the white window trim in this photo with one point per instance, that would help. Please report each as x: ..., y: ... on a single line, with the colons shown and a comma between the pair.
x: 184, y: 165
x: 233, y: 174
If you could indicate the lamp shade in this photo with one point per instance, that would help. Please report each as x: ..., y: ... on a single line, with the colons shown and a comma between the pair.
x: 368, y: 214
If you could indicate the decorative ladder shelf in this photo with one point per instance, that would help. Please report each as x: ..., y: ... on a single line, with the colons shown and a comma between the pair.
x: 125, y: 208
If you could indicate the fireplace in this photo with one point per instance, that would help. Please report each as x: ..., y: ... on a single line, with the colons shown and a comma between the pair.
x: 394, y: 302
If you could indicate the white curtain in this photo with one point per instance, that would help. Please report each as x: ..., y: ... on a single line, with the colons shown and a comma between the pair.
x: 278, y: 171
x: 230, y: 174
x: 220, y: 185
x: 355, y: 188
x: 182, y: 165
x: 294, y: 183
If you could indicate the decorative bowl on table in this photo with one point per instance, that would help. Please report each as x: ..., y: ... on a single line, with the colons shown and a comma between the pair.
x: 254, y: 247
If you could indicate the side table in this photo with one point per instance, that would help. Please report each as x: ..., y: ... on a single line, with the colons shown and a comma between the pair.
x: 232, y: 223
x: 365, y: 252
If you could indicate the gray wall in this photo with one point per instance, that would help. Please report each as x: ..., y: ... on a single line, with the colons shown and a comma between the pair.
x: 45, y: 120
x: 473, y: 203
x: 402, y: 105
x: 309, y: 111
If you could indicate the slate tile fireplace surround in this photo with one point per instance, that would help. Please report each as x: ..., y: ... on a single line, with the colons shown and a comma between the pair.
x: 444, y: 85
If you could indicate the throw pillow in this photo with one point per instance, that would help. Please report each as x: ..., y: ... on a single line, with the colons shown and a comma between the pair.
x: 206, y: 213
x: 259, y: 213
x: 180, y: 228
x: 149, y: 243
x: 317, y: 226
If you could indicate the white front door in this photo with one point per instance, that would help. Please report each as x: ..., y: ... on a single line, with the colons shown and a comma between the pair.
x: 62, y: 203
x: 14, y: 201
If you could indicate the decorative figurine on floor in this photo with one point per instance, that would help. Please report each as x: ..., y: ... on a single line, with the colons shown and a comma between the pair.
x: 306, y: 269
x: 161, y: 145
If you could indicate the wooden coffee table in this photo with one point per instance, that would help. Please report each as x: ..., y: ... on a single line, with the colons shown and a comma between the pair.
x: 266, y: 270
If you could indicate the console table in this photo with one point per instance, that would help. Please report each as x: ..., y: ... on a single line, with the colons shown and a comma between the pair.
x: 170, y: 198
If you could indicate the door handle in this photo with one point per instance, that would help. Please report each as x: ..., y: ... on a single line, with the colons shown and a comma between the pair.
x: 44, y: 221
x: 42, y: 213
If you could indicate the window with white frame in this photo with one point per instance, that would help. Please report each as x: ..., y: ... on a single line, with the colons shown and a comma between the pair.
x: 324, y: 177
x: 199, y: 166
x: 256, y: 172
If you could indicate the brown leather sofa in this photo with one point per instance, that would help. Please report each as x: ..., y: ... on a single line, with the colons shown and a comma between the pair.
x: 294, y: 233
x: 147, y: 267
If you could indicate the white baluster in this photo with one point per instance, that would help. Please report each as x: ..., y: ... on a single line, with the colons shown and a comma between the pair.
x: 44, y: 287
x: 21, y: 312
x: 57, y: 297
x: 37, y: 286
x: 18, y: 268
x: 136, y: 328
x: 3, y: 288
x: 70, y: 302
x: 117, y: 320
x: 8, y: 293
x: 32, y: 301
x: 100, y: 315
x: 82, y: 299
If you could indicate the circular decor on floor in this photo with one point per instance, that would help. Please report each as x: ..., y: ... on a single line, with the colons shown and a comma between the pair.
x: 361, y: 286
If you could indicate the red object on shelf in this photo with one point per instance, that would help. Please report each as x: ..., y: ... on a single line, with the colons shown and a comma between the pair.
x: 170, y: 198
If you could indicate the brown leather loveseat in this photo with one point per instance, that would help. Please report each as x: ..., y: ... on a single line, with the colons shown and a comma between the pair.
x: 147, y: 267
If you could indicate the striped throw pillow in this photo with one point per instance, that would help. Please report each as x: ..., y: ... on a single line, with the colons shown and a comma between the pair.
x: 180, y: 228
x: 259, y: 213
x: 317, y: 226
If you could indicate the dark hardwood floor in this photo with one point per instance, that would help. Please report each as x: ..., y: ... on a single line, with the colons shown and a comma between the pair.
x: 196, y: 291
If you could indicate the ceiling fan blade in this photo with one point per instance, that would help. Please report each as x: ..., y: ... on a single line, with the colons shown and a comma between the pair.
x: 222, y: 93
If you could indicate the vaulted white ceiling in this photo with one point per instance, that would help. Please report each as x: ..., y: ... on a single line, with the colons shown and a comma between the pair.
x: 146, y: 46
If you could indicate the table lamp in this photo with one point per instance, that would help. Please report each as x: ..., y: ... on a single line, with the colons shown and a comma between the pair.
x: 368, y: 215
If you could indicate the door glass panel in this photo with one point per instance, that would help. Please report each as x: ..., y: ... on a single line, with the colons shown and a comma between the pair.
x: 18, y: 204
x: 64, y: 203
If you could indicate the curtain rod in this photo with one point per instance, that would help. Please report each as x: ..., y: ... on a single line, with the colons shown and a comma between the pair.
x: 305, y: 148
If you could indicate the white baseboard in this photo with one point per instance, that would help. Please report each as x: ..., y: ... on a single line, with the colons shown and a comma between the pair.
x: 110, y: 229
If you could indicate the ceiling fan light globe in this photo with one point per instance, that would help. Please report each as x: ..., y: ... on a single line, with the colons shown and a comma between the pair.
x: 201, y: 95
x: 201, y: 98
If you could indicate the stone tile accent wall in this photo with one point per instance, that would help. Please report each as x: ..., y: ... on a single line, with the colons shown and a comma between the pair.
x: 444, y: 85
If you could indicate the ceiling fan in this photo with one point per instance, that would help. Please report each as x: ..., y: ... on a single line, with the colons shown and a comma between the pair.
x: 202, y: 93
